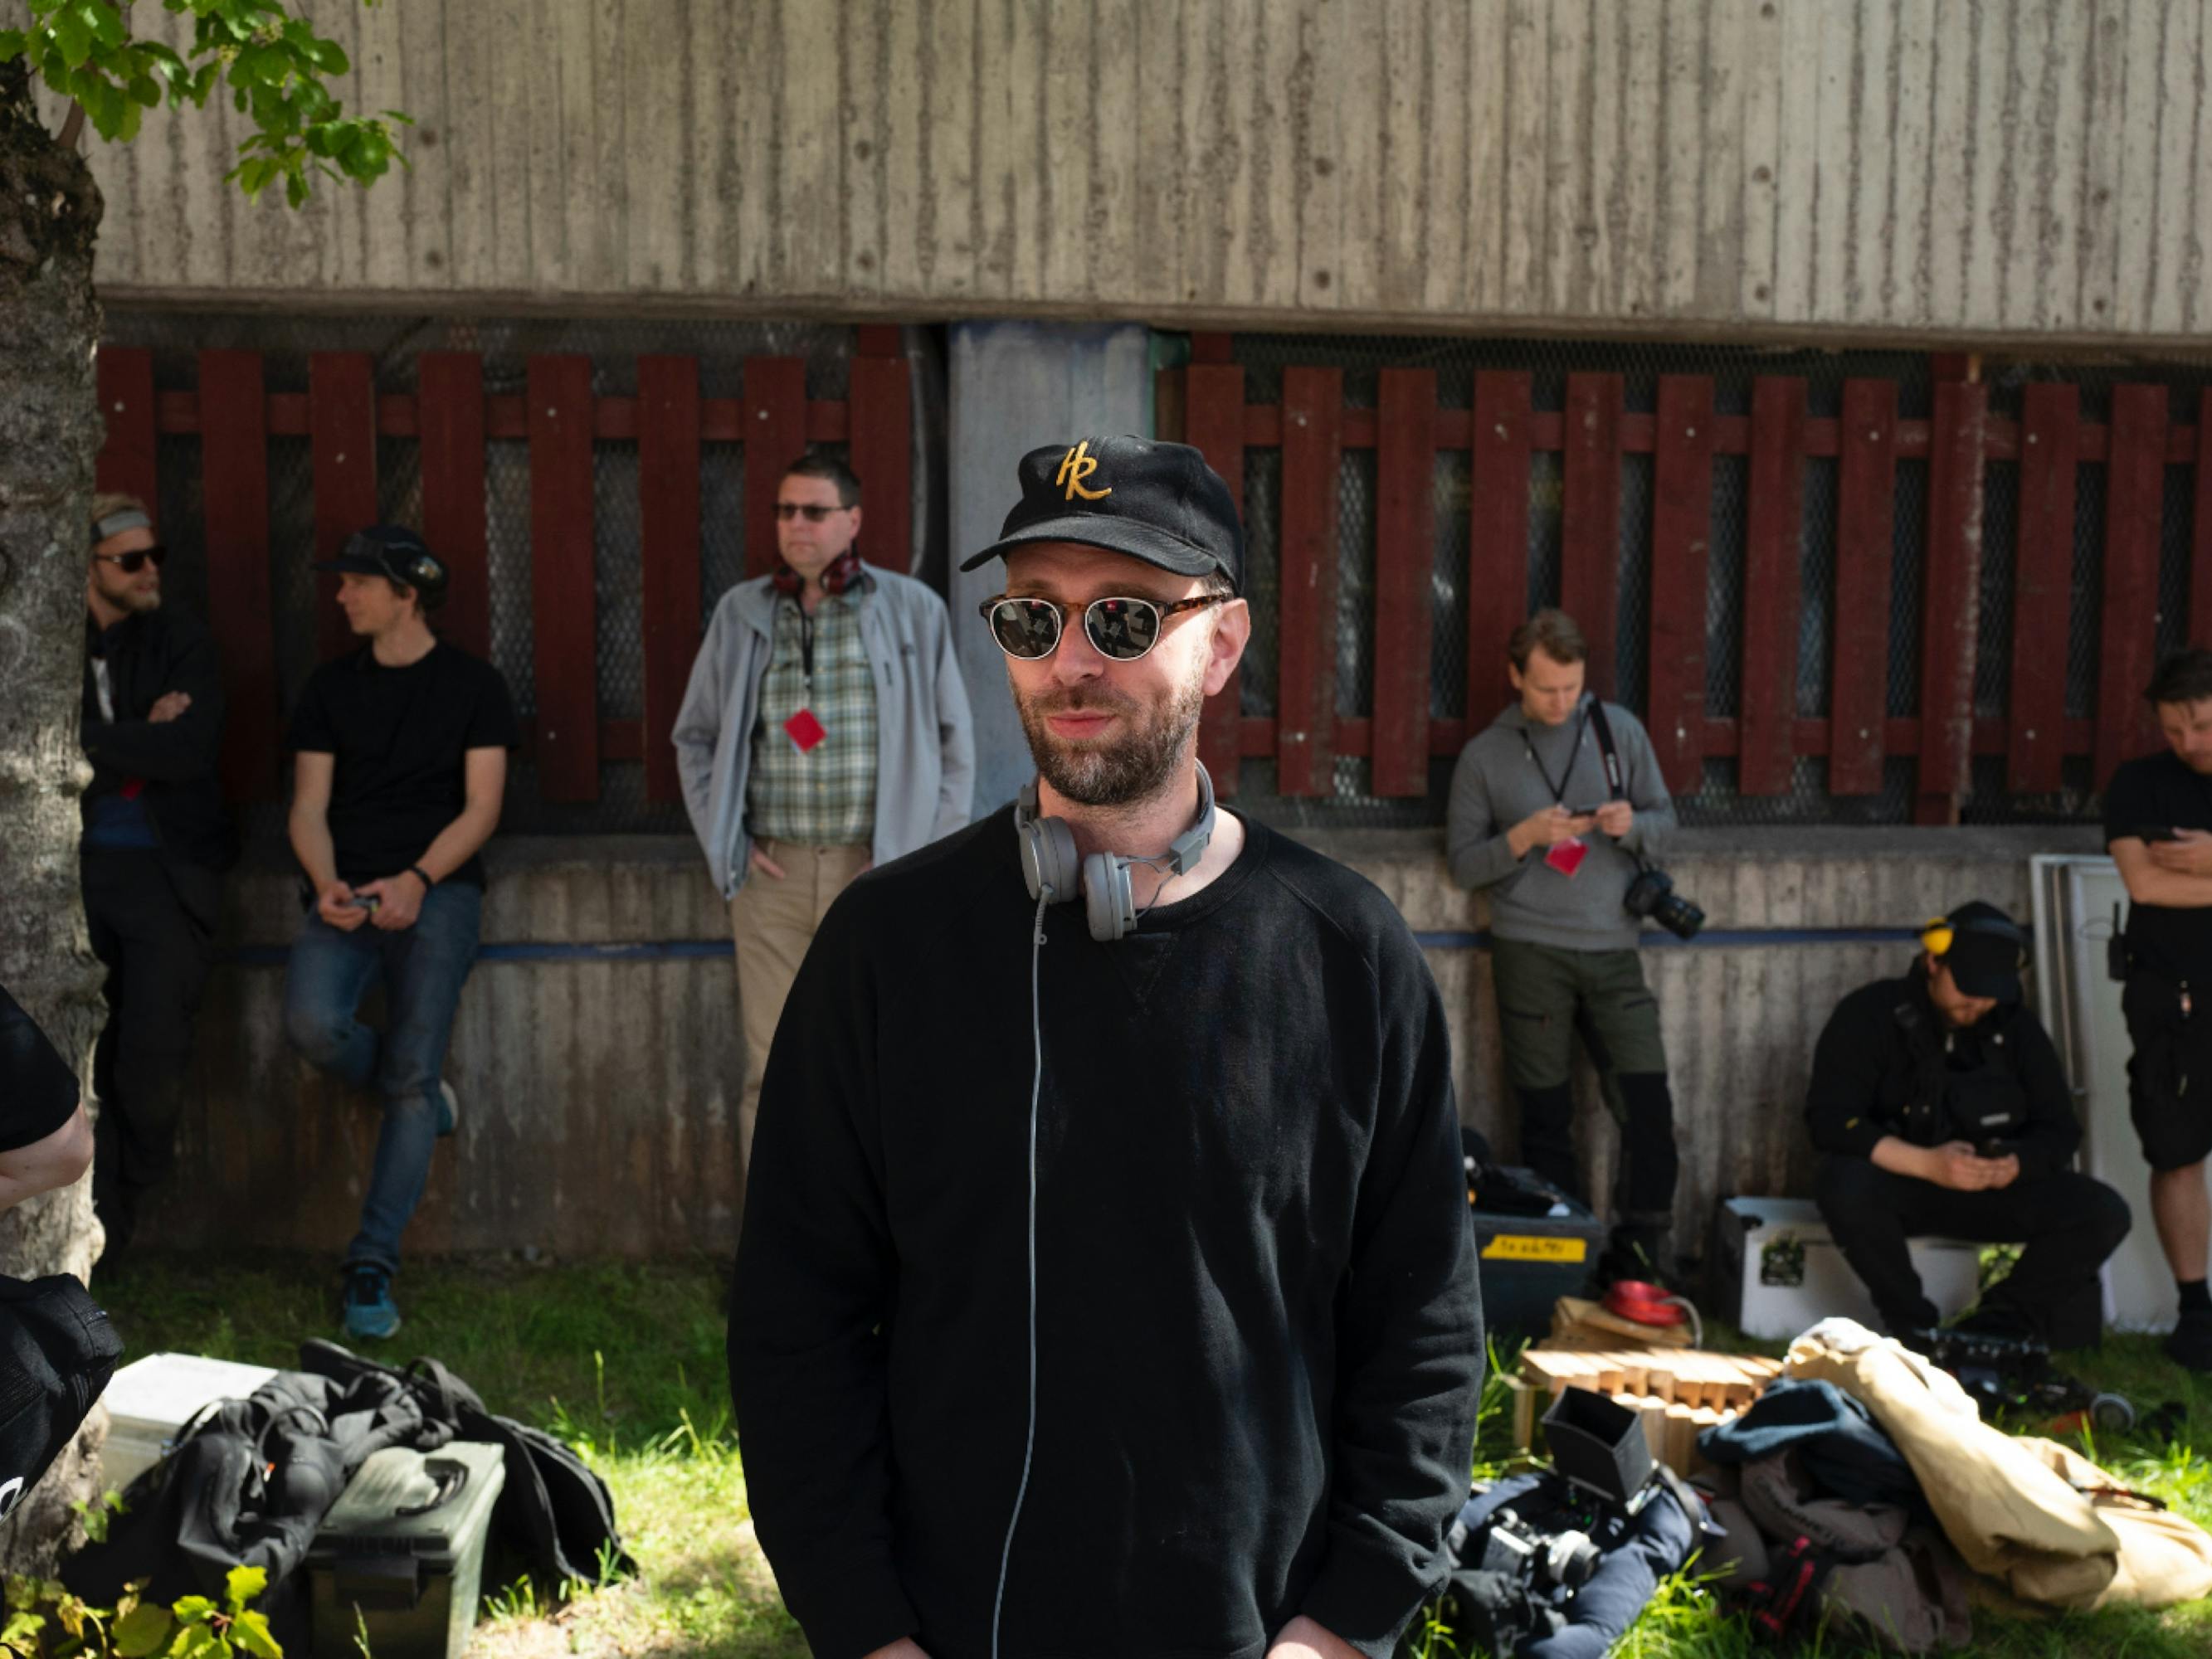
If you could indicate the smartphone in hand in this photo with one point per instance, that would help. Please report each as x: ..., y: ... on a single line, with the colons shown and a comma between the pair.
x: 2148, y: 832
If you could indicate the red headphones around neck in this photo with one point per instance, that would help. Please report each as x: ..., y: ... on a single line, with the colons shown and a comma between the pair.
x: 842, y: 572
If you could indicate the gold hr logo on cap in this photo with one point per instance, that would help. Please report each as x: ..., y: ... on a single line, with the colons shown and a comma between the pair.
x: 1075, y: 467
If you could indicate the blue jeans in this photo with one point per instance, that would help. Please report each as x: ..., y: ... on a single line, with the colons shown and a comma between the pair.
x: 424, y: 968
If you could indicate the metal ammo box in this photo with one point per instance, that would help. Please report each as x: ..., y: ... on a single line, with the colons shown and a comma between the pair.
x: 402, y: 1552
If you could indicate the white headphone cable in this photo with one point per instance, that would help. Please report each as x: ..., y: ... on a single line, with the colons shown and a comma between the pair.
x: 1036, y: 1090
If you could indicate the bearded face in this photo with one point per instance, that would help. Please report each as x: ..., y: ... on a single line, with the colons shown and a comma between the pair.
x: 1145, y: 738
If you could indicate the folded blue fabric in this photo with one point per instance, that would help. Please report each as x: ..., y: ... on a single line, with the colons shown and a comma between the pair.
x: 1844, y: 1450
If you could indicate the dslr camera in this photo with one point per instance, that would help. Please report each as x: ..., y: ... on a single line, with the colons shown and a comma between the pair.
x: 1520, y: 1569
x: 1652, y: 894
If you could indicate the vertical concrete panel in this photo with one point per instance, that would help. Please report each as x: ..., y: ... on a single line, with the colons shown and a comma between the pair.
x: 2145, y: 158
x: 1911, y: 219
x: 1405, y: 55
x: 1014, y: 386
x: 1527, y: 74
x: 1683, y: 168
x: 1568, y: 89
x: 1110, y: 121
x: 2168, y: 306
x: 1356, y: 48
x: 1803, y: 129
x: 1483, y: 212
x: 1835, y: 177
x: 1721, y: 242
x: 1318, y: 156
x: 1609, y: 274
x: 654, y: 162
x: 811, y: 41
x: 1871, y: 160
x: 1446, y: 144
x: 1762, y: 67
x: 2104, y: 117
x: 2026, y: 46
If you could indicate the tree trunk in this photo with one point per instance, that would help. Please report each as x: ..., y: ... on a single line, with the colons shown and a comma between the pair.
x: 50, y: 434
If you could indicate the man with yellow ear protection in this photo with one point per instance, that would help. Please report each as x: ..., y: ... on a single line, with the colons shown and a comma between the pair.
x: 1943, y: 1109
x: 1107, y: 1285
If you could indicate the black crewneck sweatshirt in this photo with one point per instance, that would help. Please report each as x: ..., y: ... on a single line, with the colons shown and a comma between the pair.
x: 1258, y: 1342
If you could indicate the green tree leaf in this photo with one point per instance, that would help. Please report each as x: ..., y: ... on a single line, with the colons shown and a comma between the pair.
x: 142, y: 1630
x: 242, y: 1584
x: 250, y: 1632
x: 193, y: 1609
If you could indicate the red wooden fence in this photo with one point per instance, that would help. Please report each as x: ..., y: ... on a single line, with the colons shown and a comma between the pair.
x: 1312, y: 424
x: 342, y: 416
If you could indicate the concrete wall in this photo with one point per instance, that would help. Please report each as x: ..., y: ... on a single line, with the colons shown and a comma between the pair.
x: 598, y: 1058
x: 1775, y: 167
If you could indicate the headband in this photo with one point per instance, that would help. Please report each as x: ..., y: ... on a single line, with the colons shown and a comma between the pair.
x: 123, y: 518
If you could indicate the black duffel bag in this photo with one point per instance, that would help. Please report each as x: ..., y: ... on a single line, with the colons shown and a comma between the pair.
x: 57, y: 1352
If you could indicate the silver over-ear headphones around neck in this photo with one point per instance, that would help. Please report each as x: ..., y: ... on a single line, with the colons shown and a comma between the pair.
x: 1054, y: 871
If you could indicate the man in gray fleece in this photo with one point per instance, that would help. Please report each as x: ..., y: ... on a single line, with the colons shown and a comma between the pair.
x: 1535, y: 822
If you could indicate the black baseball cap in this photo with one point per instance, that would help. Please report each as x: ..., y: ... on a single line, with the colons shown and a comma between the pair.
x: 1159, y: 502
x: 392, y: 550
x: 1986, y: 947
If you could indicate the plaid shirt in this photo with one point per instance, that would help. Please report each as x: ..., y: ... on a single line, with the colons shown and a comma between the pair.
x: 824, y: 796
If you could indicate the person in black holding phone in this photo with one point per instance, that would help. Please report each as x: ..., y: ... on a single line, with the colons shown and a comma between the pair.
x: 400, y: 768
x: 2158, y: 825
x: 1942, y: 1109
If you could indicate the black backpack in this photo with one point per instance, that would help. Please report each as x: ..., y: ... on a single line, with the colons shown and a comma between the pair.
x: 554, y: 1512
x: 57, y: 1352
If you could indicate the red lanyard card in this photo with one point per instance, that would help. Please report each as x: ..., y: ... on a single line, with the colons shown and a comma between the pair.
x: 805, y: 730
x: 1566, y: 856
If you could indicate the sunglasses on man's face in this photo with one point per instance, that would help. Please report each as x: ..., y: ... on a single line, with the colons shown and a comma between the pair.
x: 786, y: 511
x: 1122, y: 628
x: 134, y: 562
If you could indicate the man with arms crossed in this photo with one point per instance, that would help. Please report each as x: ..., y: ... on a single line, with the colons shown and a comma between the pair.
x: 401, y: 766
x: 825, y: 729
x: 1535, y: 821
x: 1109, y: 1295
x: 2158, y: 824
x: 156, y: 840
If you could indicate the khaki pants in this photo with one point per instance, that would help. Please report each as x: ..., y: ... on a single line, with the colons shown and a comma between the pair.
x: 772, y: 922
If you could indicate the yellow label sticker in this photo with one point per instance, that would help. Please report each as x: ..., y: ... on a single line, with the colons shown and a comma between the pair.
x: 1520, y: 1247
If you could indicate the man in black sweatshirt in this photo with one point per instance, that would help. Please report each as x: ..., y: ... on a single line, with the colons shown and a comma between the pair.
x: 1106, y: 1284
x: 1943, y: 1110
x: 156, y: 840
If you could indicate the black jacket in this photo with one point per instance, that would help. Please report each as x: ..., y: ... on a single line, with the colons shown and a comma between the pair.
x: 177, y: 761
x: 1888, y: 1065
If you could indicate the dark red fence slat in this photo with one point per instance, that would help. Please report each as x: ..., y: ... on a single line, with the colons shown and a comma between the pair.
x: 234, y: 516
x: 1405, y: 566
x: 668, y: 514
x: 127, y: 405
x: 1313, y: 445
x: 563, y: 601
x: 1773, y: 597
x: 2135, y: 500
x: 774, y: 437
x: 1498, y: 535
x: 450, y: 413
x: 880, y: 449
x: 1681, y: 532
x: 1213, y: 424
x: 1590, y: 558
x: 1865, y: 513
x: 342, y: 425
x: 1950, y: 614
x: 2200, y: 550
x: 2043, y: 586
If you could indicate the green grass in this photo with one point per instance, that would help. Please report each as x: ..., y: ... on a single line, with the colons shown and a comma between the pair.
x: 626, y: 1361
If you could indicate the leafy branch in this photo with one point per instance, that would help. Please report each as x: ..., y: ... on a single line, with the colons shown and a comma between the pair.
x: 274, y: 65
x: 43, y: 1620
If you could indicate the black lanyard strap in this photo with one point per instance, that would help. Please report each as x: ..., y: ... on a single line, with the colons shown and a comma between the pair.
x: 1566, y: 775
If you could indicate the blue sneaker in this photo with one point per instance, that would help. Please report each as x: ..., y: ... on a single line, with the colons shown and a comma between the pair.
x: 369, y: 1310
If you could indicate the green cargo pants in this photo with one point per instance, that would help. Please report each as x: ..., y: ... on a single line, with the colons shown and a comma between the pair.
x: 1545, y: 992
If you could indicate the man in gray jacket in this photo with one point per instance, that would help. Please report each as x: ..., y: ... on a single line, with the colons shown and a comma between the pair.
x: 825, y: 729
x: 1535, y: 820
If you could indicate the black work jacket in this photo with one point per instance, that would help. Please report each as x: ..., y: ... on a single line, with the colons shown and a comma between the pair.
x: 1888, y: 1064
x: 176, y: 762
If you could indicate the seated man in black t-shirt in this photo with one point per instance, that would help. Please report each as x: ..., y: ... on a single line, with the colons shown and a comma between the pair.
x: 401, y: 764
x: 2158, y: 823
x: 45, y: 1140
